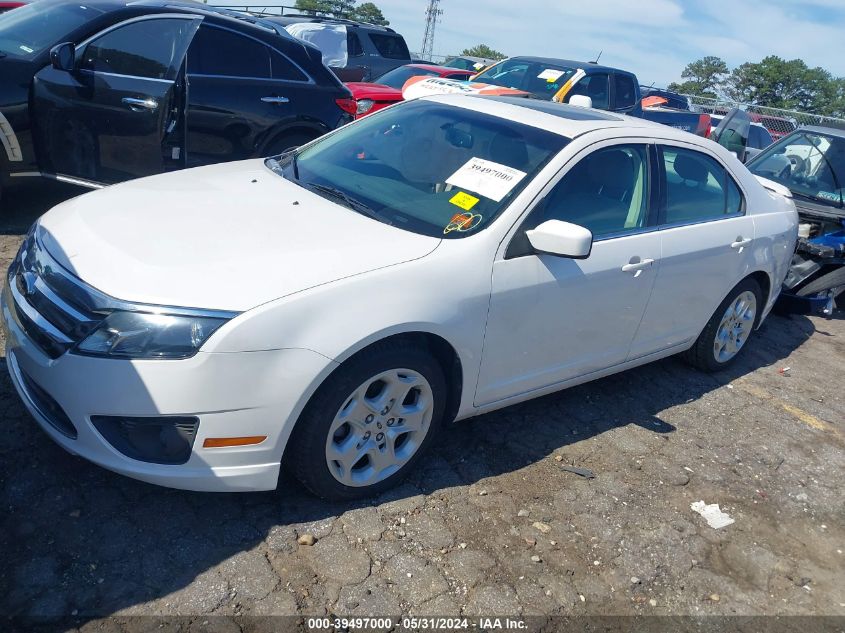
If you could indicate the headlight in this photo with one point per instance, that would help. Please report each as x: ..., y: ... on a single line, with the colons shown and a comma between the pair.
x: 144, y: 335
x: 364, y: 106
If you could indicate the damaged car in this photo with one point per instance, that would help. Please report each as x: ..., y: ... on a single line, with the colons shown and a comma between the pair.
x: 809, y: 164
x: 440, y: 259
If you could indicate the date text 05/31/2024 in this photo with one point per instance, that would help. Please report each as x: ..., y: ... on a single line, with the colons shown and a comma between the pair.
x: 416, y: 624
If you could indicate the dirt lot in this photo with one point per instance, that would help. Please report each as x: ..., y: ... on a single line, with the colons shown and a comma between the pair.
x: 492, y: 524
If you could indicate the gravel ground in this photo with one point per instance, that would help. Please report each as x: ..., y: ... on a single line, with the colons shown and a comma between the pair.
x: 492, y: 524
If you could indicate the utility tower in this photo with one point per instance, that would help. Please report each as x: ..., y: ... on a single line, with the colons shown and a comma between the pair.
x: 432, y: 16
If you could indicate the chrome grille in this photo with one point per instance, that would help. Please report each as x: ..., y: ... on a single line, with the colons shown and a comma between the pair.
x: 47, y: 302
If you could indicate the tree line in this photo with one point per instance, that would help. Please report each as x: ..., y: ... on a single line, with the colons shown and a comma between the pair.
x: 348, y: 9
x: 772, y: 82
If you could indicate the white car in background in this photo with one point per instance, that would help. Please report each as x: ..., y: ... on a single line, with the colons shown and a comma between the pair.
x: 332, y: 308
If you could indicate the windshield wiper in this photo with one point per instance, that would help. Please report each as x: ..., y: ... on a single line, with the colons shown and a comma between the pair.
x: 825, y: 201
x: 349, y: 201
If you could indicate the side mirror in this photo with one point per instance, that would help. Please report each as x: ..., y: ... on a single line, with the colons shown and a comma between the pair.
x: 582, y: 101
x: 63, y: 56
x: 562, y: 239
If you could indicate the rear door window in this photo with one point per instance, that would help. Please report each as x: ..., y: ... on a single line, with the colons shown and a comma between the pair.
x: 698, y: 188
x: 284, y: 69
x: 390, y: 46
x: 148, y: 48
x: 223, y: 53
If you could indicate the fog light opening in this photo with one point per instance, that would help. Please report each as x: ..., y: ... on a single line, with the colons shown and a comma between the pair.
x: 157, y: 440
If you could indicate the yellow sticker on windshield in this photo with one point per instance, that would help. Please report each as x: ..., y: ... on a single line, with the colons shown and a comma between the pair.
x: 464, y: 200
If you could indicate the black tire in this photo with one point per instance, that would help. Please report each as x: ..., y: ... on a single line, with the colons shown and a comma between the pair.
x: 305, y: 456
x: 832, y: 279
x: 701, y: 354
x: 287, y: 142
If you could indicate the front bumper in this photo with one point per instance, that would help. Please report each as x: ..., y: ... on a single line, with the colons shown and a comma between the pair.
x: 232, y: 394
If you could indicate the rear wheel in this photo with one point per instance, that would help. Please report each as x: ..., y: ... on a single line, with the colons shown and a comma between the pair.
x: 288, y: 142
x: 728, y: 330
x: 369, y: 423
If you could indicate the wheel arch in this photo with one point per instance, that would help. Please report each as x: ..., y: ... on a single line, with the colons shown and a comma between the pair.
x: 764, y: 280
x: 313, y: 129
x: 442, y: 350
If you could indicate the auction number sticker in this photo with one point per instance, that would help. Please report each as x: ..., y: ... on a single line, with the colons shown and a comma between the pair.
x: 490, y: 179
x: 551, y: 75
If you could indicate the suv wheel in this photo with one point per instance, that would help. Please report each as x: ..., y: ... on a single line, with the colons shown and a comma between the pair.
x: 288, y: 142
x: 369, y: 423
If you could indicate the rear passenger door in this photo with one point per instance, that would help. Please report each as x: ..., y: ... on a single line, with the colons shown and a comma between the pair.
x: 706, y: 240
x: 240, y: 90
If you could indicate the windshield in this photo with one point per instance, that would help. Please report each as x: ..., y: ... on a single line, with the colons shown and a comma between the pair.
x: 810, y: 164
x: 541, y: 79
x: 465, y: 64
x: 27, y: 31
x: 397, y: 77
x: 426, y: 167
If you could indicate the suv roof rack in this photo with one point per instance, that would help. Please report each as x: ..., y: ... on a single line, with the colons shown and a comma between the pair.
x: 329, y: 19
x: 225, y: 12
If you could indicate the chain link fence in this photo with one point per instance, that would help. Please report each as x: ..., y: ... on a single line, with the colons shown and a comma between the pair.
x: 434, y: 59
x: 778, y: 121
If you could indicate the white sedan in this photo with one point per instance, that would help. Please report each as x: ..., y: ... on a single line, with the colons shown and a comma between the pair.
x: 332, y: 308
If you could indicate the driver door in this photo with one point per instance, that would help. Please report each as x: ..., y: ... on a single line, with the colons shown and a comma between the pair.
x: 553, y: 319
x: 119, y: 113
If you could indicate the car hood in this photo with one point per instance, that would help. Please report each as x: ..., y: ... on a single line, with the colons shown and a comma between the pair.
x: 226, y: 237
x: 376, y: 92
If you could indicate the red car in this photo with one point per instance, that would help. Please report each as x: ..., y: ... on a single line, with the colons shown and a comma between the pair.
x: 8, y: 5
x: 372, y: 97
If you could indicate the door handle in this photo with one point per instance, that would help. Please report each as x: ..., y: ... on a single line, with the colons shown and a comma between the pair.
x: 741, y: 241
x: 637, y: 266
x: 275, y: 100
x: 140, y: 105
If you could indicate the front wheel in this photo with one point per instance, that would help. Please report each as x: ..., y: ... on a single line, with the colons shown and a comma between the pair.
x: 369, y: 423
x: 728, y: 330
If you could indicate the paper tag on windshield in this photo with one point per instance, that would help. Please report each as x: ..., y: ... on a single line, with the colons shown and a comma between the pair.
x: 550, y: 74
x: 490, y: 179
x: 478, y: 65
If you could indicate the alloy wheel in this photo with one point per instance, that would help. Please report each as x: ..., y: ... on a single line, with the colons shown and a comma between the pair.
x: 379, y: 428
x: 735, y: 327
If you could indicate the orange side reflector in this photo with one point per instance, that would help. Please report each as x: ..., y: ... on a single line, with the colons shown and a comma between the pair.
x: 223, y: 442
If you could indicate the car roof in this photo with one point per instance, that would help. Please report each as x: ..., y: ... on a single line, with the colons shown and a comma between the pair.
x: 569, y: 62
x: 558, y: 118
x: 823, y: 129
x: 438, y: 68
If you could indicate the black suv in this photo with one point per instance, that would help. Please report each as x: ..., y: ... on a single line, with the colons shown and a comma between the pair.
x: 369, y: 51
x: 112, y: 90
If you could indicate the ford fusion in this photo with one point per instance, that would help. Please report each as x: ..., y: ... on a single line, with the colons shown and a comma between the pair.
x: 332, y: 308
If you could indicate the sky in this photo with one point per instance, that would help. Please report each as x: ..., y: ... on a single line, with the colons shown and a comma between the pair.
x: 653, y: 38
